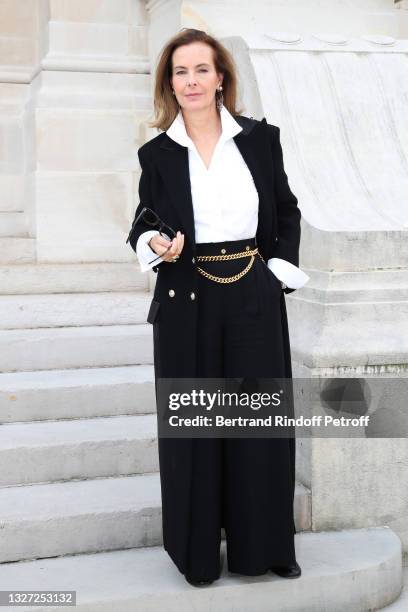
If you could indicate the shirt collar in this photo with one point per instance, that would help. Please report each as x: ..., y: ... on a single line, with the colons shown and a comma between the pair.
x: 177, y: 130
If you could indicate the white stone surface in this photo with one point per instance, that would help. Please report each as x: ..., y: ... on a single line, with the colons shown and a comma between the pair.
x: 336, y: 17
x: 97, y: 195
x: 99, y: 91
x: 13, y: 224
x: 17, y: 250
x: 16, y: 181
x: 78, y: 448
x: 348, y: 570
x: 75, y: 347
x: 71, y: 278
x: 22, y: 33
x: 73, y: 309
x: 341, y: 251
x: 335, y: 287
x: 76, y: 393
x: 11, y: 139
x: 339, y: 147
x: 95, y: 11
x: 95, y: 203
x: 62, y: 518
x: 99, y: 142
x: 371, y: 475
x: 12, y: 187
x: 99, y: 34
x: 88, y: 38
x: 91, y: 183
x: 349, y: 334
x: 401, y: 604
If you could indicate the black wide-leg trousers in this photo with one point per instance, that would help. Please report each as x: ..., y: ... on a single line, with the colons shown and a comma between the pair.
x: 245, y: 485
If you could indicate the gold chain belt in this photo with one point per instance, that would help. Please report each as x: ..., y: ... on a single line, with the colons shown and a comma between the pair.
x: 235, y: 277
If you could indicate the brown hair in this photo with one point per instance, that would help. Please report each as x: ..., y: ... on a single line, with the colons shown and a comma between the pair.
x: 165, y: 103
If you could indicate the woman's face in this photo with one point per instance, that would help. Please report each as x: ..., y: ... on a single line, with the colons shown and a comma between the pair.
x: 193, y: 72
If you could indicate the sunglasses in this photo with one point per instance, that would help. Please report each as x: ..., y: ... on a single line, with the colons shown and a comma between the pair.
x: 151, y: 218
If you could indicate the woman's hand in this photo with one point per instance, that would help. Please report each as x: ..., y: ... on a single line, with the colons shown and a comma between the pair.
x: 159, y: 244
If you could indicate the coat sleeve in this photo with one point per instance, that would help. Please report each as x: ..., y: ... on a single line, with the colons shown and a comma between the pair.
x: 288, y: 214
x: 145, y: 199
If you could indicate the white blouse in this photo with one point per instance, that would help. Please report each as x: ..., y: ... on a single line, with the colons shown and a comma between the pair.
x: 225, y: 199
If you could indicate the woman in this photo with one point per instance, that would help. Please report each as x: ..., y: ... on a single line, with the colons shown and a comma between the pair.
x: 216, y: 179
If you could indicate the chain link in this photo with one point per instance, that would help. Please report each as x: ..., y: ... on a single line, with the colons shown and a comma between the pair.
x: 226, y: 257
x: 235, y: 277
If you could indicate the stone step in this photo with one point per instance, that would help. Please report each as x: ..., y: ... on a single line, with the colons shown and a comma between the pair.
x: 400, y: 604
x: 79, y: 448
x: 73, y: 309
x: 41, y: 278
x: 13, y: 224
x: 354, y: 570
x: 356, y: 287
x: 47, y: 520
x: 75, y: 347
x: 17, y: 250
x: 76, y: 393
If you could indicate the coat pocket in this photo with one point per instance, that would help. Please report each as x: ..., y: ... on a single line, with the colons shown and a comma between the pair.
x: 153, y: 311
x: 274, y: 278
x: 272, y: 275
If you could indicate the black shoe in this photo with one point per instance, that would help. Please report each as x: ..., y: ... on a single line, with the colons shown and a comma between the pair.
x: 287, y: 571
x: 198, y: 583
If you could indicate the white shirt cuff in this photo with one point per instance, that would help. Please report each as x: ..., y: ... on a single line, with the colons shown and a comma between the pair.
x: 291, y: 275
x: 144, y: 253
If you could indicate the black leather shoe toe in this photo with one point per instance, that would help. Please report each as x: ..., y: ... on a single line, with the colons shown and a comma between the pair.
x: 287, y: 571
x: 198, y: 583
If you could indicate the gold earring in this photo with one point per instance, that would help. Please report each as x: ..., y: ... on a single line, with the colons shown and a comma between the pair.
x: 220, y: 98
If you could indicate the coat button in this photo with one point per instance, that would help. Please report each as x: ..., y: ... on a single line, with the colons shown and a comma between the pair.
x: 276, y: 239
x: 172, y: 293
x: 192, y: 295
x: 193, y: 260
x: 223, y: 251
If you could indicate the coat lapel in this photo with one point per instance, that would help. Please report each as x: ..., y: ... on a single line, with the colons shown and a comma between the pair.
x: 253, y: 150
x: 174, y: 169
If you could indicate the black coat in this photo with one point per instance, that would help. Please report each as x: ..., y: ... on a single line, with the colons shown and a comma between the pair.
x: 165, y: 187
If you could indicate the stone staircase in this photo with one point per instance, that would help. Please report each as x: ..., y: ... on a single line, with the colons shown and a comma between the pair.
x: 15, y: 249
x: 80, y: 501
